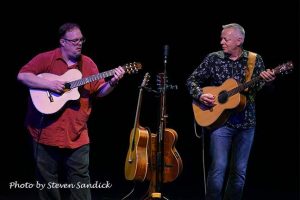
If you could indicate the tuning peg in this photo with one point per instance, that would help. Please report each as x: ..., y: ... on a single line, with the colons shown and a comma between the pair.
x: 172, y: 87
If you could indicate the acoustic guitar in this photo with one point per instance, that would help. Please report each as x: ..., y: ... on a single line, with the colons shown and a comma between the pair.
x: 228, y: 99
x: 136, y: 164
x: 49, y: 102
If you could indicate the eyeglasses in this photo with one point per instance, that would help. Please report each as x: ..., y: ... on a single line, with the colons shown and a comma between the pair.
x: 76, y: 41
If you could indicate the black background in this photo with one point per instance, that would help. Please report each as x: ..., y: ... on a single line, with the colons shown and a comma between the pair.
x: 121, y: 33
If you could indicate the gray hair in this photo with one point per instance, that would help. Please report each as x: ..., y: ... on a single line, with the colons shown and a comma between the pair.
x: 237, y: 27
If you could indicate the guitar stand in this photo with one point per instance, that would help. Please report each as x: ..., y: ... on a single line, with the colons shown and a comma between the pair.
x: 156, y: 195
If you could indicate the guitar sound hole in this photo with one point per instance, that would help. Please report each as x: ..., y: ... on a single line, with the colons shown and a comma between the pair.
x: 223, y: 97
x: 67, y: 86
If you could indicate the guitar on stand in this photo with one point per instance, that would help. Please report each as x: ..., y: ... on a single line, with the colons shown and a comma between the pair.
x: 165, y: 161
x: 136, y: 164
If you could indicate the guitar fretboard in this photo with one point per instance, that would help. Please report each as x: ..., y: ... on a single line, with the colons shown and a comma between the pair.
x: 243, y: 86
x: 279, y: 69
x: 131, y: 67
x: 83, y: 81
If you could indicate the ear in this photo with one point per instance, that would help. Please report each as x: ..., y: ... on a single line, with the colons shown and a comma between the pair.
x: 62, y: 42
x: 240, y: 41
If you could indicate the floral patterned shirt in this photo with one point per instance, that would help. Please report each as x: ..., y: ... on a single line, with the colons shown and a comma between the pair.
x: 217, y: 68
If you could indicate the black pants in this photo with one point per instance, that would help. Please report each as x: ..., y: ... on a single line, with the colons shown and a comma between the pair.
x: 52, y: 163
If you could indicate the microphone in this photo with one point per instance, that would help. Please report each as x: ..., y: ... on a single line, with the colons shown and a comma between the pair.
x: 166, y: 53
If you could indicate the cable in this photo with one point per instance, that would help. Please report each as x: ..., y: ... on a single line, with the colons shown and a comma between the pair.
x: 195, y: 129
x: 203, y: 161
x: 127, y: 195
x: 203, y: 152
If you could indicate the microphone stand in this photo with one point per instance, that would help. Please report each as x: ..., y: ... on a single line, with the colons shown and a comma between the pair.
x: 160, y: 138
x: 158, y: 176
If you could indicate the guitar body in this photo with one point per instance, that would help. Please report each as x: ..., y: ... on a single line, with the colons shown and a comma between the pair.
x: 49, y: 102
x: 172, y: 160
x: 214, y: 116
x: 136, y: 164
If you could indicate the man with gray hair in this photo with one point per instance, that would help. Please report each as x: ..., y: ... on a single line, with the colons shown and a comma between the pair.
x: 232, y: 138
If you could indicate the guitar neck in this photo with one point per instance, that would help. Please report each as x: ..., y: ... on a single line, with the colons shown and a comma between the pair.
x: 128, y: 68
x: 138, y: 109
x: 83, y: 81
x: 139, y: 102
x: 244, y: 86
x: 277, y: 70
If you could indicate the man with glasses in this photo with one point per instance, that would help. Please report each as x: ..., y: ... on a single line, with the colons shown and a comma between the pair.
x: 60, y: 140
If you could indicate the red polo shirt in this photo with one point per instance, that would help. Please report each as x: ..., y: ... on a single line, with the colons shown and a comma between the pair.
x: 66, y: 128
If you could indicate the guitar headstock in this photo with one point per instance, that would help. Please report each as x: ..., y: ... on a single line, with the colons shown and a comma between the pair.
x: 284, y: 68
x: 162, y: 83
x: 161, y: 79
x: 146, y: 80
x: 132, y: 67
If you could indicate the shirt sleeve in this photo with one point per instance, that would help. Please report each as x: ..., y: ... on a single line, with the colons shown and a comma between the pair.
x: 36, y: 65
x: 259, y: 67
x: 197, y: 78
